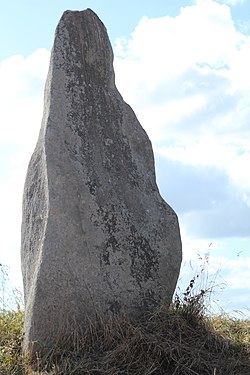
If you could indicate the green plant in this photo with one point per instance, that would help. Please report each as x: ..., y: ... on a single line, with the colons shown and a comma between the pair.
x: 11, y: 326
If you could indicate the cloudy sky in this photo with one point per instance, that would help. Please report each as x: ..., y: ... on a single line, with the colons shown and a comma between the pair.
x: 184, y: 68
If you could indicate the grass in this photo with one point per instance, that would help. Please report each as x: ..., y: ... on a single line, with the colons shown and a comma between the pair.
x: 183, y: 340
x: 180, y: 341
x: 11, y: 325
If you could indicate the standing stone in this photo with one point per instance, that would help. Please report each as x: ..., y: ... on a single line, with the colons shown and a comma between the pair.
x: 97, y: 238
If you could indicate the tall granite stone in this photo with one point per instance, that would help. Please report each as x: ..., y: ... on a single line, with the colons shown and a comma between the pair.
x: 97, y: 237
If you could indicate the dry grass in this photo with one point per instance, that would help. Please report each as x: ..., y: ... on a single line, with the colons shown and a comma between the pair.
x: 182, y: 340
x: 174, y: 342
x: 179, y: 341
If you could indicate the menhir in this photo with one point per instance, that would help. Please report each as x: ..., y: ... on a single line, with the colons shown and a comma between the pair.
x: 97, y: 237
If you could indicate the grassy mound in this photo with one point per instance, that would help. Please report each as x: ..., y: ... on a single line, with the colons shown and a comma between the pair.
x: 181, y: 341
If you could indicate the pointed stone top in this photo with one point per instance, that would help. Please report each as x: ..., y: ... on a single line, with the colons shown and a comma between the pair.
x: 81, y: 40
x: 97, y: 237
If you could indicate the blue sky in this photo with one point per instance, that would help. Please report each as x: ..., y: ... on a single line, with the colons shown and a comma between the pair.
x: 183, y: 66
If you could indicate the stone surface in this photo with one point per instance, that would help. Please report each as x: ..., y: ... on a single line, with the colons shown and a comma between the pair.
x: 97, y: 238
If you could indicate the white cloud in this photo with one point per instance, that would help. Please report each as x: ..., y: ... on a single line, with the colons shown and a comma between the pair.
x: 21, y: 95
x: 235, y: 268
x: 232, y: 2
x: 163, y: 47
x: 187, y: 79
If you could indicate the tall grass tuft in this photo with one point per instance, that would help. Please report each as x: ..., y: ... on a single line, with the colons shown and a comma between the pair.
x: 166, y: 342
x: 181, y: 340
